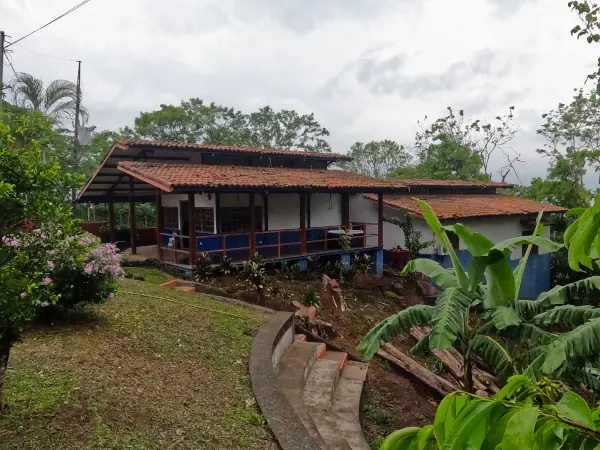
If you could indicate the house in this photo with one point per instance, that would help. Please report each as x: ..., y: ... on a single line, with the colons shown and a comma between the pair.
x: 235, y: 201
x: 287, y: 205
x: 478, y: 205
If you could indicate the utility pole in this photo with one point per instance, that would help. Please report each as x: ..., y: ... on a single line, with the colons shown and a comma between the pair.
x: 1, y: 70
x: 76, y: 140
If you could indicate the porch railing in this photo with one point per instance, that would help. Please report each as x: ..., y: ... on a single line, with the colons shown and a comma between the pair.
x: 270, y: 244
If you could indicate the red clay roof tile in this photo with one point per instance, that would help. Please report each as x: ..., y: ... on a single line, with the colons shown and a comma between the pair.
x: 448, y: 183
x: 171, y: 176
x: 456, y: 206
x: 231, y: 149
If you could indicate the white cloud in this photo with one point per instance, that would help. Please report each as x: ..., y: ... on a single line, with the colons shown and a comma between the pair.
x: 369, y: 70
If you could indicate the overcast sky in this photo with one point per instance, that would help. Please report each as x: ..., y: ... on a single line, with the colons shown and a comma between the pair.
x: 367, y: 69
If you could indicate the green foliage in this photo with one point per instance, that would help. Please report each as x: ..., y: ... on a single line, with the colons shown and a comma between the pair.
x: 521, y: 416
x: 361, y: 263
x: 204, y: 266
x: 255, y: 275
x: 379, y: 416
x: 453, y: 147
x: 412, y: 238
x: 226, y: 266
x: 588, y: 29
x: 311, y: 297
x: 376, y: 158
x: 195, y: 121
x: 287, y: 270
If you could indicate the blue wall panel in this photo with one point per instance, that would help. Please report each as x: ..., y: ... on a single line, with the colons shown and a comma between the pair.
x: 535, y: 280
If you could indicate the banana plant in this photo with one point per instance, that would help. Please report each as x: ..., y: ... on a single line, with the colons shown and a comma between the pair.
x: 467, y: 309
x: 523, y: 415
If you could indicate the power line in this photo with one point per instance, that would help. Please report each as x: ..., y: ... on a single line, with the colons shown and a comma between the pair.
x: 46, y: 56
x: 51, y: 22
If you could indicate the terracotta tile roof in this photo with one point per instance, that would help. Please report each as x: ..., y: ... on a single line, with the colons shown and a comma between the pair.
x: 456, y: 206
x: 171, y: 176
x: 448, y: 183
x: 232, y: 149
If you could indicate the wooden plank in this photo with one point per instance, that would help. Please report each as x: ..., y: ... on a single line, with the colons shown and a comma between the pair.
x: 192, y: 225
x: 438, y: 384
x: 111, y: 219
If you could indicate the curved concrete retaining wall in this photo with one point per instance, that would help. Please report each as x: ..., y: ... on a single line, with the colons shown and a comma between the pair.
x: 268, y: 347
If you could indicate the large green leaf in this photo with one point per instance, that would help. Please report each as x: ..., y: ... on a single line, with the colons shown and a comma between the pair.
x: 445, y: 416
x: 436, y: 227
x: 559, y: 295
x: 536, y: 337
x: 500, y: 284
x: 399, y: 323
x: 504, y: 317
x: 520, y: 269
x: 567, y: 315
x: 452, y: 306
x: 494, y: 354
x: 474, y: 415
x: 574, y: 408
x: 520, y: 430
x: 581, y: 235
x: 527, y: 309
x: 506, y: 246
x: 401, y: 439
x: 432, y: 269
x: 477, y: 244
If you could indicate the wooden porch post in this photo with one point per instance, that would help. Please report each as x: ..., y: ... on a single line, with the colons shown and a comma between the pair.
x: 132, y: 227
x: 303, y: 223
x: 265, y: 198
x: 251, y: 203
x: 380, y: 219
x: 346, y: 211
x: 217, y: 213
x: 192, y: 227
x: 160, y: 224
x: 111, y: 219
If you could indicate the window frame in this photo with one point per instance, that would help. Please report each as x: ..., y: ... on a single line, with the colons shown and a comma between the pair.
x: 202, y: 223
x: 230, y: 224
x: 170, y: 213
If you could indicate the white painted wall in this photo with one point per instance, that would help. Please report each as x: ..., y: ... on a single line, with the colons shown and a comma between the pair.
x: 284, y: 211
x: 497, y: 229
x: 324, y: 213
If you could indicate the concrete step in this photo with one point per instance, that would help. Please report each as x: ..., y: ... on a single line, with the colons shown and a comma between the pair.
x: 293, y: 370
x: 318, y: 394
x: 346, y: 404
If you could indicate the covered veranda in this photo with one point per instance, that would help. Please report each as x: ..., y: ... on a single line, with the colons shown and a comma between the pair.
x: 280, y: 213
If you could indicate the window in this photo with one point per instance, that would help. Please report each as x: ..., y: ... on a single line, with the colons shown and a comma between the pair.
x: 454, y: 240
x: 171, y: 215
x: 534, y: 249
x: 234, y: 220
x: 205, y: 220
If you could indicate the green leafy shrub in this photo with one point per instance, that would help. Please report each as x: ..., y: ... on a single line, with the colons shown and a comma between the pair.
x: 521, y: 416
x: 226, y: 266
x: 255, y: 276
x: 361, y: 263
x: 204, y: 266
x: 287, y: 270
x: 412, y: 238
x: 311, y: 297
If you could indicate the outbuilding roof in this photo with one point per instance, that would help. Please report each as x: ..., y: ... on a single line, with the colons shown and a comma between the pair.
x: 457, y: 206
x: 450, y: 183
x: 169, y: 177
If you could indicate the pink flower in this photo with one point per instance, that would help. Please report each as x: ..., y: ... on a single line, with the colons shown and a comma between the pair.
x: 47, y: 281
x: 23, y: 294
x: 111, y: 296
x: 44, y: 304
x: 10, y: 241
x: 89, y: 268
x: 50, y: 265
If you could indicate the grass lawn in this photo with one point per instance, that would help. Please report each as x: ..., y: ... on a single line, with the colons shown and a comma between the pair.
x: 136, y: 373
x: 150, y: 274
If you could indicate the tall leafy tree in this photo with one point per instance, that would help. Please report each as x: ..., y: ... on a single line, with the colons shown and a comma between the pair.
x: 197, y: 122
x: 377, y: 158
x: 56, y: 100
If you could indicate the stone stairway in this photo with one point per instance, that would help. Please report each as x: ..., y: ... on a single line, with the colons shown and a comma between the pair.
x: 324, y: 390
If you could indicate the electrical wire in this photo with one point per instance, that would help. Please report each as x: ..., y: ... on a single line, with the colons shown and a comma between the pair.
x: 46, y: 56
x: 74, y: 8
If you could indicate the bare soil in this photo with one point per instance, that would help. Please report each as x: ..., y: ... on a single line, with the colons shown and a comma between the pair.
x: 392, y: 399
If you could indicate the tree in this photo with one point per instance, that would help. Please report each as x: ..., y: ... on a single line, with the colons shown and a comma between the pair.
x: 445, y: 158
x: 197, y: 122
x: 376, y: 158
x: 456, y: 320
x: 523, y: 415
x: 480, y: 137
x: 30, y: 190
x: 56, y: 100
x: 588, y: 15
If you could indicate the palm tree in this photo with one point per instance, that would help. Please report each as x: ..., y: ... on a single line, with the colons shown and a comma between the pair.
x: 56, y: 100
